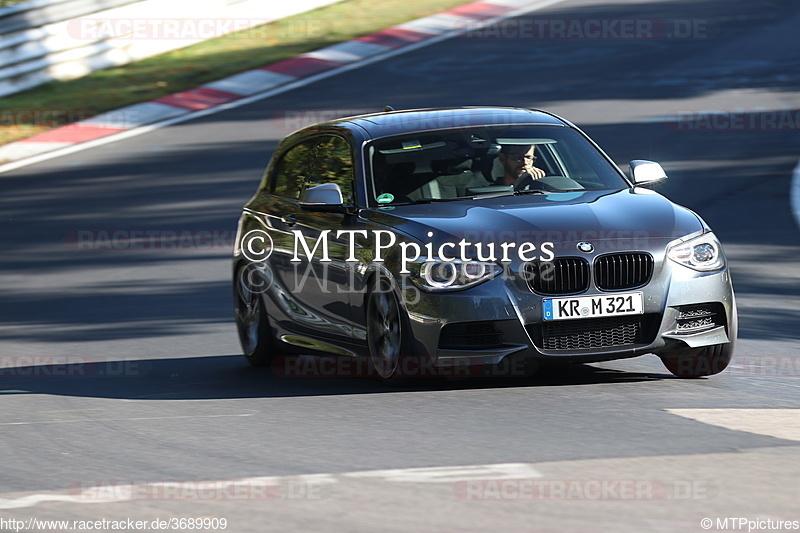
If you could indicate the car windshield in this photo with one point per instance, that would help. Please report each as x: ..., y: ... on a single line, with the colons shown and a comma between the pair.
x: 434, y: 166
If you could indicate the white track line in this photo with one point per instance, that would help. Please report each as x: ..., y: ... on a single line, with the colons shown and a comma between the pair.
x: 109, y: 492
x: 778, y: 423
x: 134, y: 418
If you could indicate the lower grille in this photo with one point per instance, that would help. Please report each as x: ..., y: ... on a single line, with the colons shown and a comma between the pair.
x: 470, y: 336
x: 594, y: 333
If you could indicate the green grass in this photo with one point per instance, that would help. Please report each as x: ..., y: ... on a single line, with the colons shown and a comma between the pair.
x: 183, y: 69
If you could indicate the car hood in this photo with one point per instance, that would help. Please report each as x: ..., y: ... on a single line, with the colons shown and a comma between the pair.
x: 627, y: 219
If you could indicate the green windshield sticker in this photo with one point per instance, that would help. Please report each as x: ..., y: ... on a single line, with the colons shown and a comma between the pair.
x: 385, y: 198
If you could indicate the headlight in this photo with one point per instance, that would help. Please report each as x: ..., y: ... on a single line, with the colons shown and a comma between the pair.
x: 703, y: 253
x: 452, y: 275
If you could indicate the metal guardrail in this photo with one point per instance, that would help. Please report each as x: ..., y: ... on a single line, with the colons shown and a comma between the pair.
x: 32, y: 37
x: 29, y: 15
x: 48, y: 40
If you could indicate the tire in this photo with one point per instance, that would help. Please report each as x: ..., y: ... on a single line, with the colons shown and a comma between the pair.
x: 385, y: 331
x: 699, y: 362
x: 252, y: 323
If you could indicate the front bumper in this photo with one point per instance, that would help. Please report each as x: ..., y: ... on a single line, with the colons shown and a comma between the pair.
x: 506, y: 319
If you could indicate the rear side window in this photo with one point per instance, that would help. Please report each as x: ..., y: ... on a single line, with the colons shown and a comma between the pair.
x: 332, y: 162
x: 292, y: 170
x: 324, y: 159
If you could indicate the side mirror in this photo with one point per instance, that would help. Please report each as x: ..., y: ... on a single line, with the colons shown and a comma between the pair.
x: 325, y: 198
x: 645, y: 173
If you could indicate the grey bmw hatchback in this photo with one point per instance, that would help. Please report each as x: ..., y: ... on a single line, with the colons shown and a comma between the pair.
x: 468, y: 238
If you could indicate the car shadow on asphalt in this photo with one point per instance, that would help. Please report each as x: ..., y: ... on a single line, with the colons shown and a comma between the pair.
x: 230, y: 377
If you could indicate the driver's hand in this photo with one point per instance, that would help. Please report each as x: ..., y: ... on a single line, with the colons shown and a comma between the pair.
x: 534, y: 172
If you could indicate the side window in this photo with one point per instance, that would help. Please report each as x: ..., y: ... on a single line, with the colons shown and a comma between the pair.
x: 332, y: 162
x: 292, y: 170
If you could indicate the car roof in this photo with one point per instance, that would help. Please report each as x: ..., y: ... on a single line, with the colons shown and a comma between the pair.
x: 388, y: 123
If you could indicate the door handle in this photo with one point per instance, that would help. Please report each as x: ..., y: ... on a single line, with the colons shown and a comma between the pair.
x: 289, y: 220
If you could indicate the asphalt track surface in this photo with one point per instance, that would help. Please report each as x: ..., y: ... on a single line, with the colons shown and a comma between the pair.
x: 155, y: 391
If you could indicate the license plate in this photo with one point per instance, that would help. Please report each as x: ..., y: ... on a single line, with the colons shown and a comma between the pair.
x: 593, y: 306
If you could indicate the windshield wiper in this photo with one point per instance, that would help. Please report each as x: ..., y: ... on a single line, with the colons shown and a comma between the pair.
x: 482, y: 196
x: 540, y: 191
x: 432, y: 200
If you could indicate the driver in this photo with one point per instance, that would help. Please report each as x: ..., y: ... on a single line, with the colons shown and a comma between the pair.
x: 518, y: 169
